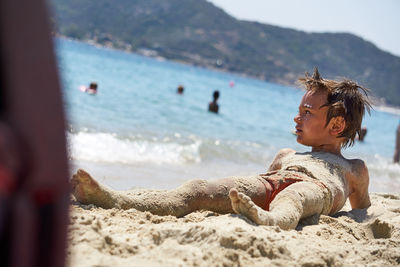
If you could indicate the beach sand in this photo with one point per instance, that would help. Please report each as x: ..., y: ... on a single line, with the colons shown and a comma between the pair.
x: 113, y: 237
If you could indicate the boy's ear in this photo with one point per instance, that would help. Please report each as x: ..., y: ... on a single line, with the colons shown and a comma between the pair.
x: 337, y: 125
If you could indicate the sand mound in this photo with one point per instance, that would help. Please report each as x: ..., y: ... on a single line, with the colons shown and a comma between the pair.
x: 99, y: 237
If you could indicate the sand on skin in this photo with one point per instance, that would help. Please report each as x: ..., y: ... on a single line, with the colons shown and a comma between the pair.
x: 100, y: 237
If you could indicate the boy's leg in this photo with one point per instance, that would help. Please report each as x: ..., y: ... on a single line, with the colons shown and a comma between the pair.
x: 191, y: 196
x: 297, y: 201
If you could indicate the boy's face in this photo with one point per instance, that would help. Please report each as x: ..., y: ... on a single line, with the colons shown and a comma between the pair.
x: 311, y: 120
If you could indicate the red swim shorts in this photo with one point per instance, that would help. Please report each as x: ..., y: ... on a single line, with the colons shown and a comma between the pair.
x: 275, y: 182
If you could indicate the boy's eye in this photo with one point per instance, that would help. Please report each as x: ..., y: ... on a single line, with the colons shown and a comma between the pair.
x: 307, y: 112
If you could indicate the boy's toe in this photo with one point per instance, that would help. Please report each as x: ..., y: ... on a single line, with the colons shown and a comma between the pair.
x: 233, y: 193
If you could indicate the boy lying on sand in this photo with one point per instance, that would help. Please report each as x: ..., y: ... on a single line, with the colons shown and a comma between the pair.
x: 296, y: 186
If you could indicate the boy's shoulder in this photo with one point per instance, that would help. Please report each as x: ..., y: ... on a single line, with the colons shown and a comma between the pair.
x: 284, y: 152
x: 358, y: 166
x: 355, y: 166
x: 277, y: 162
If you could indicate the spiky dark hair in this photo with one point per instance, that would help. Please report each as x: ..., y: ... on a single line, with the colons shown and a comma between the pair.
x: 346, y: 99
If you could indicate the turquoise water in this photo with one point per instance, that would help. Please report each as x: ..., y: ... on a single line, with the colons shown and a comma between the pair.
x: 138, y: 132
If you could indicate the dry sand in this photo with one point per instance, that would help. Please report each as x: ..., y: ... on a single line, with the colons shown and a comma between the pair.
x: 99, y: 237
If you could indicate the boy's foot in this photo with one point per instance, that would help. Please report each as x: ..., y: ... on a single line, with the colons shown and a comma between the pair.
x: 85, y: 188
x: 243, y: 205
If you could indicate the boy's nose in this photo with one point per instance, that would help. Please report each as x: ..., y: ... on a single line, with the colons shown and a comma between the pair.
x: 297, y: 118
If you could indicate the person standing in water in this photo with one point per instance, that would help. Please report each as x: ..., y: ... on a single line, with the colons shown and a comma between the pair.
x: 363, y: 133
x: 396, y: 157
x: 180, y: 89
x: 213, y: 106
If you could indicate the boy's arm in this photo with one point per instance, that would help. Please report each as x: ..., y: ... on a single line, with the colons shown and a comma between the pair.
x: 277, y: 162
x: 358, y: 183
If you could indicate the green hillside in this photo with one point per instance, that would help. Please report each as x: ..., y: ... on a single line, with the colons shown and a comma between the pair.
x: 197, y: 32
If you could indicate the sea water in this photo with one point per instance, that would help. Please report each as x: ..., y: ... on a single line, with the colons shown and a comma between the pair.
x: 138, y: 132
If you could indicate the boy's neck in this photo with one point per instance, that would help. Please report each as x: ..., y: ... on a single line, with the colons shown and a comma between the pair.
x: 336, y: 149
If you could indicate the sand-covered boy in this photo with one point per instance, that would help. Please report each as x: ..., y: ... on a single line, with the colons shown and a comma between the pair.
x: 296, y: 186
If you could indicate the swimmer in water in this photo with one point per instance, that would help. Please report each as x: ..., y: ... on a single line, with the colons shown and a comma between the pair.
x: 92, y: 88
x: 180, y: 90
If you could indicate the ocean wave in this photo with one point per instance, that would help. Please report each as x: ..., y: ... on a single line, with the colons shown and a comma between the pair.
x: 179, y: 150
x: 107, y: 147
x: 174, y: 149
x: 388, y: 109
x: 383, y: 168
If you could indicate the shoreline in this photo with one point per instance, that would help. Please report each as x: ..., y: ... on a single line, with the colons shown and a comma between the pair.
x: 131, y: 238
x: 118, y: 176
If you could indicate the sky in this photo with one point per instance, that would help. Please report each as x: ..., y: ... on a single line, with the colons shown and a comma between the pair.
x: 377, y: 21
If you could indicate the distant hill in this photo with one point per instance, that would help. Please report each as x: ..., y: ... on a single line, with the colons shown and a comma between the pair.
x: 197, y: 32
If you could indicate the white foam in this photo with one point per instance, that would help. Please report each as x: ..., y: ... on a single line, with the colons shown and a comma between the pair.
x: 106, y: 147
x: 381, y: 167
x: 388, y: 109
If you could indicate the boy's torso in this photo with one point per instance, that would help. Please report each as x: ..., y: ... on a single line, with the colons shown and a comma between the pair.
x: 329, y: 169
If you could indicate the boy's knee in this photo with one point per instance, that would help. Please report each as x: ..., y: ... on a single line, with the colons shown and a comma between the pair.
x: 196, y: 185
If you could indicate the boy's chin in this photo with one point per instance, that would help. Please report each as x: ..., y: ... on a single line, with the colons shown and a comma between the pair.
x: 302, y: 141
